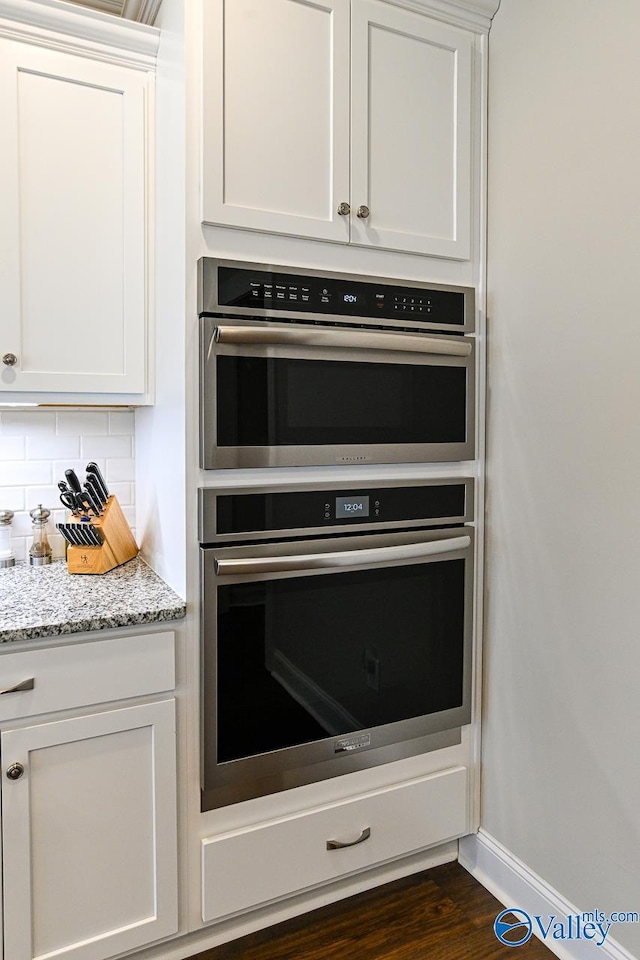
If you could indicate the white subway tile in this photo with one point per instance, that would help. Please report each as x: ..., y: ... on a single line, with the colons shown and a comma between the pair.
x: 122, y: 422
x: 23, y: 423
x: 20, y: 547
x: 130, y: 515
x: 124, y: 493
x: 48, y: 496
x: 82, y: 422
x: 22, y: 525
x: 57, y: 545
x: 94, y: 448
x: 118, y: 469
x: 54, y: 447
x: 18, y: 473
x: 11, y: 448
x: 11, y: 498
x: 58, y: 516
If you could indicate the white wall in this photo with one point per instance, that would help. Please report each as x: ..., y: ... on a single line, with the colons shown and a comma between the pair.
x: 562, y: 773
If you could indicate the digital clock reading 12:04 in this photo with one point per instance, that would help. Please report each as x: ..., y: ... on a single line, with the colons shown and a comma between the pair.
x: 352, y: 507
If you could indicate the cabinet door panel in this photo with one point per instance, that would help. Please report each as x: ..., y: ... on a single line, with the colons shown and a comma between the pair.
x: 73, y: 222
x: 411, y: 131
x: 276, y: 115
x: 89, y: 834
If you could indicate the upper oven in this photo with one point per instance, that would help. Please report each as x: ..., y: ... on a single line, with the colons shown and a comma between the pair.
x: 301, y: 369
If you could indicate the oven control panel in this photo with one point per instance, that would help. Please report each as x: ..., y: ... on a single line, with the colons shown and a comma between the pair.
x: 268, y: 514
x: 255, y: 288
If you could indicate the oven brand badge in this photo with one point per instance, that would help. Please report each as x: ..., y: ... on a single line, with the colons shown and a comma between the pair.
x: 353, y: 743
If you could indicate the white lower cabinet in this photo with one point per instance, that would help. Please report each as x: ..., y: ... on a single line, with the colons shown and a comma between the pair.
x: 89, y: 826
x: 258, y: 864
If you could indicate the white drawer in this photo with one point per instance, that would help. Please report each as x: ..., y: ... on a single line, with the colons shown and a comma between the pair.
x: 254, y: 865
x: 86, y: 673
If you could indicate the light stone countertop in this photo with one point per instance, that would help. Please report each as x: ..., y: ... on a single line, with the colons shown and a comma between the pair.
x: 48, y: 601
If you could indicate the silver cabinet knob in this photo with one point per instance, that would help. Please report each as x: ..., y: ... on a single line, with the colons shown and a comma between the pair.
x: 15, y: 771
x: 363, y: 211
x: 344, y: 209
x: 10, y: 359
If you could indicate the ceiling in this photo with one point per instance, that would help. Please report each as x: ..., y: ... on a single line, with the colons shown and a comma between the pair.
x: 142, y: 11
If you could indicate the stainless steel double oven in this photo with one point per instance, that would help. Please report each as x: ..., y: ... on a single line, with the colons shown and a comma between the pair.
x: 336, y: 616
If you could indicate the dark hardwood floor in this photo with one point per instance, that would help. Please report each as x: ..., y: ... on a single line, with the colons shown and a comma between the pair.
x: 440, y: 914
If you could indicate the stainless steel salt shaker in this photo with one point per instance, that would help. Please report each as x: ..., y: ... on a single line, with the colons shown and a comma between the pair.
x: 7, y: 558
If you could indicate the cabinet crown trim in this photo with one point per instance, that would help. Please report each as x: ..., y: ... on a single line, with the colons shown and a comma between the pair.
x: 55, y: 24
x: 471, y: 14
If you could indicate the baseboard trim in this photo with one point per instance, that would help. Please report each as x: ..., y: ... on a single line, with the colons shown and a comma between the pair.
x: 515, y: 885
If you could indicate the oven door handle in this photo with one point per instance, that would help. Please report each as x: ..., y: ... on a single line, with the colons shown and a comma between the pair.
x: 347, y: 558
x: 360, y: 339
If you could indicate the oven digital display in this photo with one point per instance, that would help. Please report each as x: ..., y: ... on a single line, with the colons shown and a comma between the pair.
x: 349, y: 297
x: 352, y: 507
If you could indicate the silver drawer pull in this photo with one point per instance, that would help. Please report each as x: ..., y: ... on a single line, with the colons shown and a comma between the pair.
x: 339, y: 845
x: 24, y: 685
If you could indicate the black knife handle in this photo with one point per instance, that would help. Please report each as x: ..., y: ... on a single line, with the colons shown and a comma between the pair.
x: 73, y: 481
x: 90, y: 498
x: 93, y: 488
x: 94, y: 469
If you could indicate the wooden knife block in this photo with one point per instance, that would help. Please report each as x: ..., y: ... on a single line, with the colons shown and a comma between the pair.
x: 117, y: 547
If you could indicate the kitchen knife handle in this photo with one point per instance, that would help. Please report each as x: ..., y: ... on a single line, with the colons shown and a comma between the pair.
x: 94, y: 489
x: 93, y: 503
x: 73, y: 481
x: 94, y: 470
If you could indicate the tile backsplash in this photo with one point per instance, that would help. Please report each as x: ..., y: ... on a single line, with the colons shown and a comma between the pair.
x: 37, y: 446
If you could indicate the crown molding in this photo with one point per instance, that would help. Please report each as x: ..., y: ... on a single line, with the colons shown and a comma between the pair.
x: 473, y: 15
x: 76, y: 29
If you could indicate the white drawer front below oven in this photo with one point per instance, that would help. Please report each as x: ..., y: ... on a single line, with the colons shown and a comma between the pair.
x: 255, y: 865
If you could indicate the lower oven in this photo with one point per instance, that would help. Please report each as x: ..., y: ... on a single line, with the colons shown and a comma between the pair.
x: 336, y: 630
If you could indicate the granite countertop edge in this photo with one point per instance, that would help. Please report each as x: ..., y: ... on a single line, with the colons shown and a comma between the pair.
x: 43, y: 602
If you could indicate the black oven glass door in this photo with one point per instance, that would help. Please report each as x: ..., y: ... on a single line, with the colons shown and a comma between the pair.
x: 284, y: 404
x: 312, y: 655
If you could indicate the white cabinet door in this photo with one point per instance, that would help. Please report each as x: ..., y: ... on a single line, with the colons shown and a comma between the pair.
x: 89, y: 834
x: 410, y: 132
x: 72, y: 223
x: 276, y: 116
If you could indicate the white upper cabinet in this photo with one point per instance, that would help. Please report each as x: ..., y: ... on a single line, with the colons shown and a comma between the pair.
x: 342, y: 120
x: 73, y: 223
x: 410, y: 132
x: 276, y: 115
